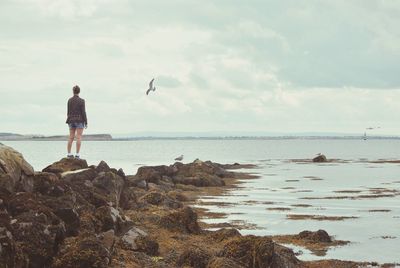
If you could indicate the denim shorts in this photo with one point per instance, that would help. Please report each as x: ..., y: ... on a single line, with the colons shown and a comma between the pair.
x: 76, y: 125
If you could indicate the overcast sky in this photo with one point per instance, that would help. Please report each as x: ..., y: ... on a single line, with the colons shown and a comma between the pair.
x: 235, y: 66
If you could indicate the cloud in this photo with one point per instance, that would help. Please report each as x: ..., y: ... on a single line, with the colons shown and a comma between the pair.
x: 67, y: 9
x: 262, y: 66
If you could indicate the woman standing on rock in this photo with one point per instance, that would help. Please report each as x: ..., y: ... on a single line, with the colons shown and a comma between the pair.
x: 76, y: 120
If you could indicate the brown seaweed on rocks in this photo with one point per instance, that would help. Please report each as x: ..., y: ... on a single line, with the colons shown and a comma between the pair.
x: 74, y: 215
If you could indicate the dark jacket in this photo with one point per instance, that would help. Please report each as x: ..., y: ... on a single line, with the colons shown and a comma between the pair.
x: 76, y: 112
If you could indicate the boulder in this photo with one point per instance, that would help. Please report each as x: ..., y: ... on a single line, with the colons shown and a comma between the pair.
x: 38, y: 236
x: 199, y: 167
x: 112, y: 184
x: 128, y: 199
x: 121, y: 173
x: 66, y: 164
x: 102, y: 167
x: 15, y: 172
x: 257, y: 252
x: 320, y: 159
x: 83, y: 251
x: 194, y: 257
x: 318, y: 236
x: 110, y: 218
x: 71, y: 219
x: 149, y: 174
x: 138, y: 240
x: 182, y: 220
x: 133, y: 181
x: 44, y: 182
x: 285, y: 258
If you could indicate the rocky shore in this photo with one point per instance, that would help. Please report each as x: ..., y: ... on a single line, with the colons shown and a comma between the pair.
x: 71, y: 214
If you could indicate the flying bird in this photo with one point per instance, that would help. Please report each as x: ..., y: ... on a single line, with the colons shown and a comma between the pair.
x: 151, y: 87
x: 180, y: 158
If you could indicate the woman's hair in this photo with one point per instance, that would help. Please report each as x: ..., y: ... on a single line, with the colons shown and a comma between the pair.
x: 76, y: 89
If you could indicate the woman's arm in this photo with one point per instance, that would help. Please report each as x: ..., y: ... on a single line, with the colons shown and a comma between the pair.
x: 68, y: 110
x: 84, y: 112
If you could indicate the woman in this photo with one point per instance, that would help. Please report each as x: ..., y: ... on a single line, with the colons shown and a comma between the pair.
x: 76, y: 120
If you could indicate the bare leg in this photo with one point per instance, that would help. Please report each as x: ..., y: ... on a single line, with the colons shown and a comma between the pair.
x: 79, y: 132
x: 70, y: 139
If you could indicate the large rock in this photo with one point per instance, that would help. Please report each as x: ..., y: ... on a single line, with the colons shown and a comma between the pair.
x: 154, y: 174
x: 320, y: 159
x: 71, y: 219
x: 112, y: 184
x: 199, y: 167
x: 194, y: 257
x: 66, y: 164
x: 102, y: 167
x: 87, y: 251
x: 110, y: 218
x: 198, y: 173
x: 149, y: 174
x: 36, y: 230
x: 258, y: 252
x: 15, y: 172
x: 44, y: 182
x: 134, y: 181
x: 138, y: 240
x: 128, y: 199
x: 182, y: 220
x: 318, y: 236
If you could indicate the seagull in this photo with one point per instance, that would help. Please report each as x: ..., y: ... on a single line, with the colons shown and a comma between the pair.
x: 180, y: 158
x: 151, y: 87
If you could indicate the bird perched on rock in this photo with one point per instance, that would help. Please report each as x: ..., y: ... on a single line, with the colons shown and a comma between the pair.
x: 151, y: 87
x: 180, y: 158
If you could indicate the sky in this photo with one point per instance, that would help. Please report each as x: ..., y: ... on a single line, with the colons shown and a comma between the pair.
x: 258, y: 66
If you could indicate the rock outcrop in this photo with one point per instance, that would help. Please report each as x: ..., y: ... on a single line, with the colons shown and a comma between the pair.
x: 317, y: 236
x: 66, y: 164
x: 258, y: 252
x: 15, y: 172
x: 320, y: 159
x: 75, y: 215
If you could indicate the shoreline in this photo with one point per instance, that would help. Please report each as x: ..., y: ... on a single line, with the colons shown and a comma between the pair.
x: 316, y: 247
x: 71, y: 213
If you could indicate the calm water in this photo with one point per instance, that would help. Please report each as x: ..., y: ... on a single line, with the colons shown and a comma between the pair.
x: 374, y: 236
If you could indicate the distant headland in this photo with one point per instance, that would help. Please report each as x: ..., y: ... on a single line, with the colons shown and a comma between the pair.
x: 4, y: 136
x: 19, y: 137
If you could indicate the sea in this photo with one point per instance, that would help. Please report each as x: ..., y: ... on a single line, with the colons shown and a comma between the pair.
x: 345, y: 187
